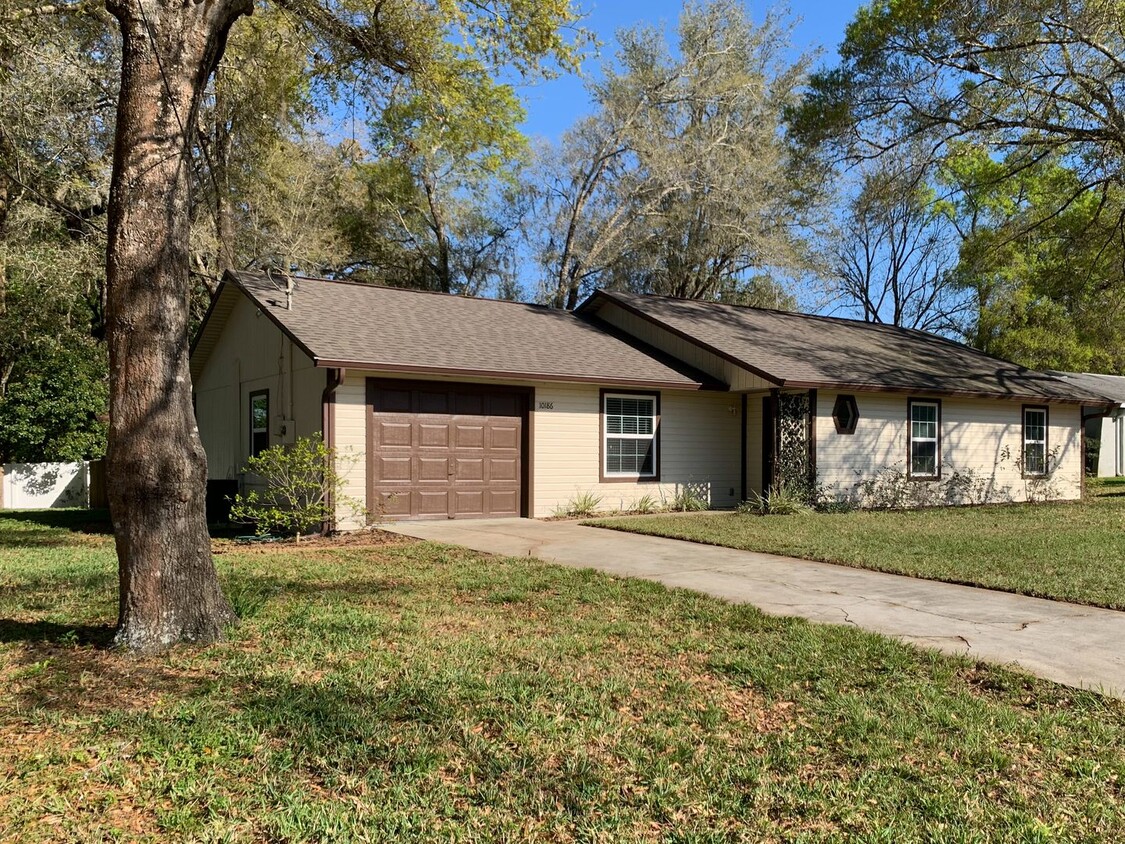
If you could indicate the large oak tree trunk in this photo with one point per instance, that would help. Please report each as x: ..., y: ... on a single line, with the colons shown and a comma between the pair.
x: 156, y: 469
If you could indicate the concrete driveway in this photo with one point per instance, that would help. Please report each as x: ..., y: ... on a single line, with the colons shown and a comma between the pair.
x: 1071, y: 644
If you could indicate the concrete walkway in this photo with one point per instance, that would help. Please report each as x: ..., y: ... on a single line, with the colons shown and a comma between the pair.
x: 1067, y: 643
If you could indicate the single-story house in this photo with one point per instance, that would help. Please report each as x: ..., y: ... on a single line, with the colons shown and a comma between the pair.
x: 452, y: 407
x: 1109, y: 430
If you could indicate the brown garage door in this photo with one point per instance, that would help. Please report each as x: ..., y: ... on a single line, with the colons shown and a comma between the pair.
x: 445, y: 451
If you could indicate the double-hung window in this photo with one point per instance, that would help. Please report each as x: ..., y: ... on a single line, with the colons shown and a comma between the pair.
x: 925, y: 439
x: 259, y: 422
x: 629, y: 423
x: 1035, y: 441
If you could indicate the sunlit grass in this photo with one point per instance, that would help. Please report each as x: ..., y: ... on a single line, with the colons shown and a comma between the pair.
x: 1069, y: 551
x: 413, y: 692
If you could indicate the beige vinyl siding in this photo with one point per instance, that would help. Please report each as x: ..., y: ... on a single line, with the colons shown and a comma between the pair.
x: 251, y: 355
x: 699, y: 449
x: 737, y: 378
x: 1111, y: 453
x: 351, y: 444
x: 981, y: 435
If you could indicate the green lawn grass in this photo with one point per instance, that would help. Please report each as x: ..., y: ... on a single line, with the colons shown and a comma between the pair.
x: 1068, y: 551
x: 414, y: 692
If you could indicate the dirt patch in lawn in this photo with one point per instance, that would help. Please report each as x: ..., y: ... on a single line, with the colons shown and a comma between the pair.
x: 373, y: 538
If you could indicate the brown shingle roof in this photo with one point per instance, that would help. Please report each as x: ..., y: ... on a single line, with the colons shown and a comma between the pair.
x: 367, y: 326
x: 1110, y: 386
x: 801, y: 350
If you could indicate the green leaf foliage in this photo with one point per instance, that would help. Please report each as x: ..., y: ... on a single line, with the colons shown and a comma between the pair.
x: 295, y: 489
x: 1043, y: 259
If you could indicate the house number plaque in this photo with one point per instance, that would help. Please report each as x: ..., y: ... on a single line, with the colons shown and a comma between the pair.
x: 546, y: 405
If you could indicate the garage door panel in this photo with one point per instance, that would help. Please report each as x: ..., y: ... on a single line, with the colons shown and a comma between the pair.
x: 469, y: 502
x: 504, y: 436
x: 433, y: 434
x: 470, y: 404
x: 432, y: 503
x: 503, y: 502
x: 501, y: 469
x: 448, y: 450
x: 505, y: 404
x: 432, y: 401
x: 432, y: 468
x: 393, y: 401
x: 394, y: 505
x: 468, y: 470
x: 468, y: 435
x: 393, y: 432
x: 388, y: 468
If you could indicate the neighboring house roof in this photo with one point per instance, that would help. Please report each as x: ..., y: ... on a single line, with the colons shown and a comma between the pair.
x: 1110, y: 386
x: 365, y: 326
x: 804, y: 351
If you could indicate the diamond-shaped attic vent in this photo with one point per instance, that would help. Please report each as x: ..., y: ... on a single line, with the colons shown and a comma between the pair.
x: 845, y: 414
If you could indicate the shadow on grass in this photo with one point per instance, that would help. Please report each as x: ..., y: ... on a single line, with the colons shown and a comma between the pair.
x: 76, y: 521
x: 97, y: 635
x: 47, y: 526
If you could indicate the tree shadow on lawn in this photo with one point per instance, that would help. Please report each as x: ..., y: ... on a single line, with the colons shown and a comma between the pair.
x: 76, y: 521
x: 50, y: 632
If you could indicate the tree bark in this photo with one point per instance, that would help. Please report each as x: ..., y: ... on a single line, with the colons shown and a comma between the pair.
x: 156, y: 468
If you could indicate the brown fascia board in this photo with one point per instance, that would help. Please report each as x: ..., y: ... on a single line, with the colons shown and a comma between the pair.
x: 600, y: 295
x: 508, y: 375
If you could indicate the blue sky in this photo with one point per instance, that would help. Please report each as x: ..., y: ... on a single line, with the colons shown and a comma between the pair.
x: 552, y: 107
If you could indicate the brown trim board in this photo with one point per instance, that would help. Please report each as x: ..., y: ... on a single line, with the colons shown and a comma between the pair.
x: 509, y: 376
x: 744, y: 451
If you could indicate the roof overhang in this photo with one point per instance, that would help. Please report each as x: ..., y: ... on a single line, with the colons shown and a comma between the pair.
x: 599, y: 297
x: 229, y: 290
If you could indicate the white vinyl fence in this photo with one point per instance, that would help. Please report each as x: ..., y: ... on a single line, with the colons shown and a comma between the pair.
x: 37, y: 486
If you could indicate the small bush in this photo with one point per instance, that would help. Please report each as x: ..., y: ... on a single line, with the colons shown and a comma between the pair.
x: 646, y: 504
x: 301, y: 481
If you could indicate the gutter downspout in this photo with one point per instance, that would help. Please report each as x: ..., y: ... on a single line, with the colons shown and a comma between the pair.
x: 328, y: 432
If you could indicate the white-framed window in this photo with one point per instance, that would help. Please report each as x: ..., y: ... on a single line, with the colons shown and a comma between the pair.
x: 1035, y: 441
x: 629, y: 424
x: 925, y: 438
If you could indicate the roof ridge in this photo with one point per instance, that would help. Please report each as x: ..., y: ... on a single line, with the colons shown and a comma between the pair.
x: 392, y: 288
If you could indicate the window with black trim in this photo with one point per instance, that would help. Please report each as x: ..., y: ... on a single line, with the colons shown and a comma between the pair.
x: 1035, y: 441
x: 629, y: 426
x: 845, y: 414
x: 259, y: 422
x: 925, y: 438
